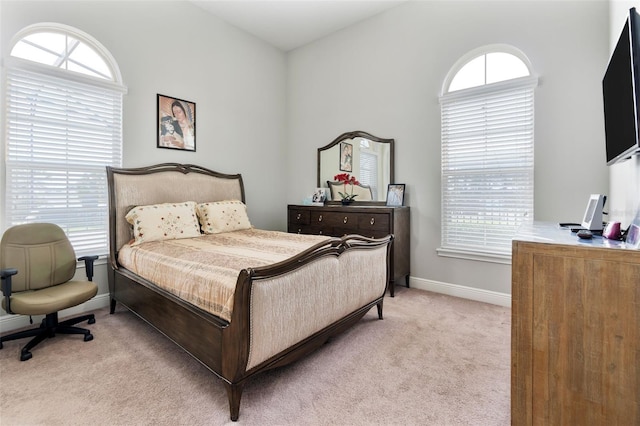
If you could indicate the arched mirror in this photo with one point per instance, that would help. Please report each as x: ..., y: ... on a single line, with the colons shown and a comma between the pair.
x: 366, y: 157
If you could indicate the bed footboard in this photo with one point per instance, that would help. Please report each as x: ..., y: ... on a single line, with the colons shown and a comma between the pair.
x: 324, y: 291
x: 295, y: 307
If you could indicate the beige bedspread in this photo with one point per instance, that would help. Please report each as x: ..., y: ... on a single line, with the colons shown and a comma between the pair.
x: 204, y: 270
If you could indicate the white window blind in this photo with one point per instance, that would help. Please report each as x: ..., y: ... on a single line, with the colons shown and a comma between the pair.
x: 61, y: 133
x: 487, y: 166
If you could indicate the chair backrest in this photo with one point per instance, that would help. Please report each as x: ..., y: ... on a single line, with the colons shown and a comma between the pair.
x: 363, y: 191
x: 42, y: 254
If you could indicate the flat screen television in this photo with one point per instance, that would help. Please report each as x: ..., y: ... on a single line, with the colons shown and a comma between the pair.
x: 621, y: 94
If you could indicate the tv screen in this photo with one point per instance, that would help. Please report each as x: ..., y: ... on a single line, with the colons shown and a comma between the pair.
x: 620, y: 87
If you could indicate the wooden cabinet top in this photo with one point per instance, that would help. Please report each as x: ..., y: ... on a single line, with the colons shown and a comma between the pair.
x: 553, y: 234
x: 355, y: 208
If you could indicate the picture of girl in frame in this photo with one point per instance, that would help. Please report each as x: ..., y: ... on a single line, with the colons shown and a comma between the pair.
x: 177, y: 126
x: 346, y: 157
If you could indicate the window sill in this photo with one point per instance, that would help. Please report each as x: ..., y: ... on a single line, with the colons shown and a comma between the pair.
x: 504, y: 259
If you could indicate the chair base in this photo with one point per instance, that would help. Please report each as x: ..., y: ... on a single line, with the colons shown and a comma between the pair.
x: 47, y: 329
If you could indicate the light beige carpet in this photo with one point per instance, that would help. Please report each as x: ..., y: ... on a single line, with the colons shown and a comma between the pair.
x: 433, y: 360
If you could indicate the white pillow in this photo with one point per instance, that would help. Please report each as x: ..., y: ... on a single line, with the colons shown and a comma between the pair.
x: 169, y: 221
x: 223, y: 216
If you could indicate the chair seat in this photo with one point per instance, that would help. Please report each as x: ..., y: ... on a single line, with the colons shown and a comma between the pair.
x: 52, y: 299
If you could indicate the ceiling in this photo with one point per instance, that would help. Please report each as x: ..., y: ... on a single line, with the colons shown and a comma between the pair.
x: 287, y: 24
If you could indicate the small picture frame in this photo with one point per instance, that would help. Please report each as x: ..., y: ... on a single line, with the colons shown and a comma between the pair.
x: 633, y: 234
x: 319, y: 196
x: 395, y: 194
x: 176, y: 127
x: 346, y: 157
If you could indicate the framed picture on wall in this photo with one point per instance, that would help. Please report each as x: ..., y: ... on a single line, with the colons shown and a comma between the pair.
x: 346, y: 157
x: 176, y: 123
x: 395, y: 194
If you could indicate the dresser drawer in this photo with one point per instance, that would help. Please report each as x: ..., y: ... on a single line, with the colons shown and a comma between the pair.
x: 368, y: 225
x: 335, y: 219
x: 339, y: 232
x: 298, y: 217
x: 310, y: 230
x: 374, y: 223
x: 341, y: 223
x: 372, y: 233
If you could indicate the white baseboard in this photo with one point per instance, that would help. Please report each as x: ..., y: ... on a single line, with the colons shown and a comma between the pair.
x: 493, y: 297
x: 14, y: 322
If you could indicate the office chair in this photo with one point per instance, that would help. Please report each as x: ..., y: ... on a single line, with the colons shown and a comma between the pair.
x: 37, y: 265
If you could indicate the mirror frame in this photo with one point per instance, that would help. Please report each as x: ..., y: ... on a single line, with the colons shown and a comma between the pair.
x: 365, y: 135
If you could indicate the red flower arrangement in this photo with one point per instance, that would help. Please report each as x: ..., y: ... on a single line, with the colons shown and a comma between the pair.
x: 347, y: 180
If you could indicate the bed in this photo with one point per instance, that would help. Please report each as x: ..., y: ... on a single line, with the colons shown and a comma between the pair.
x: 277, y: 304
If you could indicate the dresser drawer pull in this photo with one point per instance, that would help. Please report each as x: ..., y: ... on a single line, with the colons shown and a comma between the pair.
x: 299, y: 231
x: 372, y: 221
x: 299, y: 216
x: 320, y: 232
x: 345, y: 220
x: 320, y: 218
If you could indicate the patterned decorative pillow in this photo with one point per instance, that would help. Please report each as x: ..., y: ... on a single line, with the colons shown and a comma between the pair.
x: 223, y: 216
x: 169, y: 221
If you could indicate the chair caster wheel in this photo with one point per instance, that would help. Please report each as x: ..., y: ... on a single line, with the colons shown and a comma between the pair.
x: 91, y: 321
x: 88, y: 337
x: 25, y: 356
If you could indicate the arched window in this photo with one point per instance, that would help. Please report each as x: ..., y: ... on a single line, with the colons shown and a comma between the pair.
x: 487, y: 106
x: 56, y: 46
x: 63, y: 126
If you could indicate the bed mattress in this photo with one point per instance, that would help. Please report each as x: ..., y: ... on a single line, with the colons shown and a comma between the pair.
x: 204, y: 270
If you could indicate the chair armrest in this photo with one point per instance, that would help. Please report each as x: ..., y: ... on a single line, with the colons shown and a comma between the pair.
x: 88, y: 264
x: 5, y: 275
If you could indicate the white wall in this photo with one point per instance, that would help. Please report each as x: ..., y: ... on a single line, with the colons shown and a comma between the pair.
x: 625, y: 176
x: 264, y: 114
x: 384, y: 76
x: 176, y: 49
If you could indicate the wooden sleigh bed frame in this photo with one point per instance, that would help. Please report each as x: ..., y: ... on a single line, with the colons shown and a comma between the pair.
x: 280, y: 295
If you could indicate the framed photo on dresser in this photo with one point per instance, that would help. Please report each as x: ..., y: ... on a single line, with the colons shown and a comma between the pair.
x: 633, y: 234
x: 395, y: 194
x: 319, y: 196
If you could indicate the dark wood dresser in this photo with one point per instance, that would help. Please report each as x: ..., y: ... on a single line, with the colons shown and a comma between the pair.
x: 370, y: 221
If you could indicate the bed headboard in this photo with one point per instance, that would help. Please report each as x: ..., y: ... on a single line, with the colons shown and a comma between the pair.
x: 162, y: 183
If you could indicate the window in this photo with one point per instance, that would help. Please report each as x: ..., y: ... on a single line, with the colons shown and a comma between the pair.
x: 487, y: 153
x: 63, y: 126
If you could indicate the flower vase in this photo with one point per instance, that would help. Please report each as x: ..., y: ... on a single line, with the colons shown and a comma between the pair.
x: 346, y: 201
